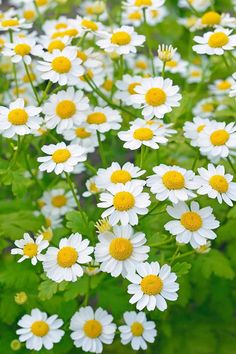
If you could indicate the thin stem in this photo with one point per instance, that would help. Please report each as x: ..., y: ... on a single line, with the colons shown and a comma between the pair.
x: 142, y: 156
x: 31, y: 82
x: 70, y: 183
x: 90, y: 167
x: 231, y: 164
x: 101, y: 151
x: 149, y: 47
x: 174, y: 255
x: 195, y: 163
x: 156, y: 245
x: 186, y: 254
x: 163, y: 69
x: 193, y: 9
x: 14, y: 67
x: 16, y: 153
x: 38, y: 12
x: 226, y: 62
x: 32, y: 174
x: 45, y: 92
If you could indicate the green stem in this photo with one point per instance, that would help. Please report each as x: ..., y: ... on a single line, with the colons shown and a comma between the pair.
x: 149, y: 47
x: 14, y: 67
x: 32, y: 174
x: 90, y: 167
x: 45, y: 92
x: 231, y: 164
x: 31, y: 83
x: 174, y: 255
x: 85, y: 302
x: 195, y: 163
x: 142, y: 155
x: 156, y: 245
x: 70, y: 183
x: 186, y: 254
x: 16, y: 153
x: 163, y: 69
x: 226, y: 62
x: 38, y: 12
x: 101, y: 151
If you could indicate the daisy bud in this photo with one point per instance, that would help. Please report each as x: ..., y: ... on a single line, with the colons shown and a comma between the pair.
x: 15, y: 345
x: 21, y: 298
x: 165, y: 52
x: 99, y: 7
x: 103, y: 225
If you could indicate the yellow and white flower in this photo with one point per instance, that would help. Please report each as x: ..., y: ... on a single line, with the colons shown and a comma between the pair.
x: 103, y: 119
x: 21, y: 49
x: 214, y: 19
x: 126, y: 88
x: 96, y: 74
x: 89, y: 25
x: 64, y: 109
x: 18, y: 119
x: 82, y: 135
x: 13, y: 23
x: 199, y: 5
x: 152, y: 285
x: 124, y: 202
x: 214, y: 182
x: 155, y: 16
x: 194, y: 128
x: 49, y: 44
x: 132, y: 17
x: 172, y: 182
x: 156, y: 96
x: 29, y: 248
x: 92, y: 187
x: 175, y: 66
x: 61, y: 157
x: 205, y: 108
x: 143, y: 4
x: 232, y: 92
x: 40, y: 331
x: 90, y: 58
x: 137, y: 330
x: 121, y: 250
x: 221, y: 87
x: 63, y: 27
x: 192, y: 225
x: 64, y: 263
x: 57, y: 202
x: 194, y: 74
x: 90, y: 329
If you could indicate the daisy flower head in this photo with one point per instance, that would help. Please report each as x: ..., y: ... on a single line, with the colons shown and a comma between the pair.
x: 92, y: 187
x: 91, y: 329
x: 132, y: 17
x: 94, y: 9
x: 97, y: 74
x: 89, y: 25
x: 29, y: 248
x: 192, y: 224
x: 194, y: 128
x: 21, y: 49
x: 214, y: 19
x: 142, y: 133
x: 92, y: 269
x: 152, y: 285
x: 155, y: 16
x: 194, y: 74
x: 175, y: 66
x: 63, y: 27
x: 121, y: 250
x: 64, y: 109
x: 61, y: 157
x: 172, y: 182
x: 123, y: 40
x: 143, y: 4
x: 126, y: 88
x: 166, y: 52
x: 232, y: 92
x: 19, y: 119
x: 49, y: 44
x: 63, y: 66
x: 218, y: 141
x: 40, y: 331
x: 199, y: 5
x: 14, y: 24
x: 124, y: 202
x: 156, y: 96
x: 139, y: 64
x: 214, y: 182
x: 64, y: 263
x: 137, y: 330
x: 215, y: 43
x: 221, y: 87
x: 118, y: 174
x: 82, y: 135
x: 205, y: 108
x: 90, y: 58
x: 103, y: 119
x: 57, y: 202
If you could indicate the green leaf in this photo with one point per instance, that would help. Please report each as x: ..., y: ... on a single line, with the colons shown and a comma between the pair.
x: 47, y: 289
x: 76, y: 223
x: 181, y: 268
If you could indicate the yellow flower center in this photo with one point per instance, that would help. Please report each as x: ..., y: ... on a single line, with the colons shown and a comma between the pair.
x: 123, y: 201
x: 219, y: 183
x: 137, y: 329
x: 41, y: 2
x: 140, y: 64
x: 154, y: 13
x: 151, y: 284
x: 224, y: 85
x: 15, y: 345
x: 120, y: 38
x: 171, y: 63
x: 120, y: 248
x: 66, y: 109
x: 82, y: 55
x: 10, y: 23
x: 143, y: 3
x: 67, y: 256
x: 47, y: 234
x: 96, y: 118
x: 211, y: 18
x: 82, y: 133
x: 29, y: 15
x: 155, y: 97
x: 32, y: 77
x: 18, y: 116
x: 219, y: 137
x: 191, y: 221
x: 59, y: 201
x: 195, y: 73
x: 48, y: 222
x: 207, y: 107
x: 21, y: 298
x: 173, y: 180
x: 40, y: 328
x: 135, y: 16
x: 57, y: 44
x: 61, y: 65
x: 93, y: 188
x: 61, y: 25
x: 89, y: 24
x: 200, y: 128
x: 218, y: 40
x: 30, y: 250
x: 143, y: 134
x: 107, y: 85
x: 89, y: 73
x: 22, y: 49
x: 120, y: 176
x: 61, y: 155
x: 72, y: 32
x: 131, y: 87
x: 92, y: 328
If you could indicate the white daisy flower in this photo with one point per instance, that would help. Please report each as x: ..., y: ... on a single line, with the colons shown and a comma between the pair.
x: 121, y: 250
x: 89, y: 25
x: 92, y: 269
x: 132, y: 17
x: 192, y: 225
x: 214, y: 19
x: 194, y: 74
x: 194, y: 128
x: 124, y: 202
x: 18, y: 119
x: 28, y: 12
x: 139, y: 64
x: 137, y: 330
x: 64, y: 263
x: 214, y: 182
x: 156, y: 96
x: 13, y: 24
x: 40, y: 331
x: 118, y: 174
x: 52, y: 221
x: 221, y: 87
x: 172, y: 182
x: 175, y: 66
x: 199, y: 5
x: 61, y: 157
x: 151, y: 285
x: 205, y: 108
x: 215, y: 43
x: 232, y: 92
x: 21, y: 49
x: 218, y: 140
x: 143, y: 4
x: 29, y: 248
x: 63, y: 66
x: 65, y: 109
x: 90, y: 58
x: 204, y: 248
x: 49, y: 44
x: 94, y: 9
x: 90, y: 329
x: 57, y: 202
x: 126, y: 88
x: 123, y: 40
x: 97, y: 74
x: 63, y: 28
x: 141, y: 133
x: 92, y: 187
x: 81, y: 134
x: 155, y: 16
x: 103, y: 119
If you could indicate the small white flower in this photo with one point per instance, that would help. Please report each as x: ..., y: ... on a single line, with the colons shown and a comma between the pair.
x: 176, y: 65
x: 21, y: 49
x: 89, y: 25
x: 82, y: 135
x: 194, y: 74
x: 90, y: 329
x: 29, y: 248
x: 151, y: 285
x: 61, y: 157
x: 194, y: 128
x: 56, y: 202
x: 92, y: 187
x: 126, y: 88
x: 103, y: 119
x: 137, y: 330
x: 143, y: 4
x: 205, y: 108
x: 192, y: 225
x: 154, y: 16
x: 13, y: 24
x: 166, y: 52
x: 121, y: 250
x: 199, y: 5
x: 40, y: 331
x: 64, y: 263
x: 221, y: 87
x: 214, y: 19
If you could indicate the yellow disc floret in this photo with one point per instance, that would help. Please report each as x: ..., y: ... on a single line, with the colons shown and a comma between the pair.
x: 173, y: 180
x: 155, y: 97
x: 92, y: 328
x: 66, y: 109
x: 30, y: 250
x: 120, y: 248
x: 67, y: 257
x: 143, y: 134
x: 40, y: 328
x: 61, y: 155
x: 59, y: 201
x: 18, y: 116
x: 22, y: 49
x: 120, y: 176
x: 219, y: 137
x: 218, y: 40
x: 219, y: 183
x: 120, y: 38
x: 191, y: 221
x: 211, y: 18
x: 61, y: 65
x: 137, y: 329
x: 96, y: 118
x: 151, y: 284
x: 123, y: 201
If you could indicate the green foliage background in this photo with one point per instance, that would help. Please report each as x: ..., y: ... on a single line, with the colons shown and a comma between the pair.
x: 202, y: 321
